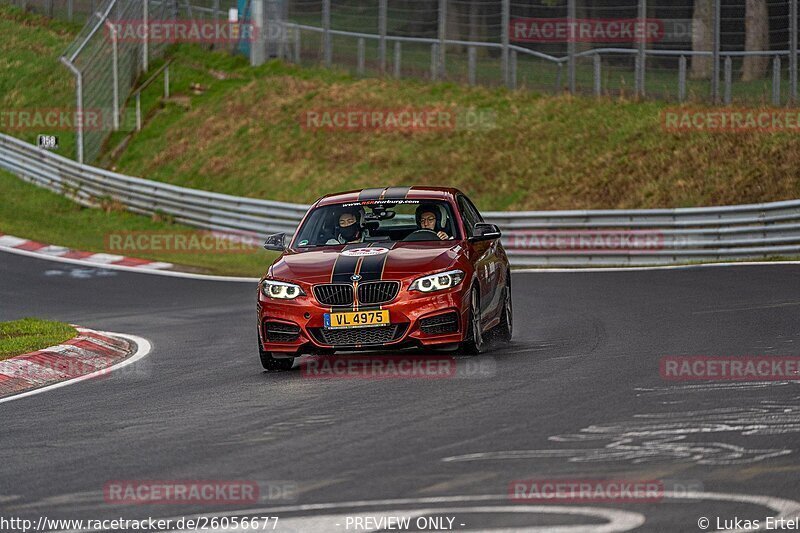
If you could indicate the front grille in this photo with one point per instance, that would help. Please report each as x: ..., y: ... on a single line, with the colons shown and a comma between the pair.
x: 358, y: 336
x: 334, y: 294
x: 440, y: 324
x: 377, y: 292
x: 280, y: 332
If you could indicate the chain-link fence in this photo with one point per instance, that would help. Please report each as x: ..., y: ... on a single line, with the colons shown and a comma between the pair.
x: 712, y: 50
x: 733, y: 51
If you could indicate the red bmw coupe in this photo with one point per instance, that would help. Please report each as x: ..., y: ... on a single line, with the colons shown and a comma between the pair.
x: 384, y: 268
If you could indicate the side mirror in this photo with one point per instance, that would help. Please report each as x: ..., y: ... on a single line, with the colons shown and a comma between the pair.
x: 485, y: 232
x: 276, y: 242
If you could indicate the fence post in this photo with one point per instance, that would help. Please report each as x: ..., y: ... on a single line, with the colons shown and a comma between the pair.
x: 728, y: 76
x: 472, y: 60
x: 715, y: 45
x: 435, y: 61
x: 78, y: 107
x: 598, y: 83
x: 114, y: 73
x: 145, y: 41
x: 559, y: 74
x: 793, y: 29
x: 682, y: 79
x: 442, y: 38
x: 640, y: 74
x: 383, y: 9
x: 512, y: 70
x: 70, y: 10
x: 361, y: 58
x: 215, y: 15
x: 776, y: 81
x: 138, y: 111
x: 49, y: 8
x: 571, y: 16
x: 258, y: 46
x: 327, y: 51
x: 166, y: 82
x: 505, y: 23
x: 297, y: 45
x: 397, y: 60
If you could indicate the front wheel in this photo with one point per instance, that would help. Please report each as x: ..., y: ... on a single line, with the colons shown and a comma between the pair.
x: 474, y: 343
x: 274, y: 364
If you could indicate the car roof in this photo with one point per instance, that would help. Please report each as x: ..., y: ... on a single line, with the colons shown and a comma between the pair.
x: 389, y: 193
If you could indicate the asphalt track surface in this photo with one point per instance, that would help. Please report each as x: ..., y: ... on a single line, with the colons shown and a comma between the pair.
x: 577, y: 395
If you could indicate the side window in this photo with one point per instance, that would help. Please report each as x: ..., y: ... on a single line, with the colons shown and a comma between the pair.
x: 474, y: 210
x: 468, y: 214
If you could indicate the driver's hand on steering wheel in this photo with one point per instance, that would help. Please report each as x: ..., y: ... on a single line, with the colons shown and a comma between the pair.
x: 442, y: 235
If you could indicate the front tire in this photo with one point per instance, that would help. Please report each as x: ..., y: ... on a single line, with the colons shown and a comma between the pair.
x: 274, y: 364
x: 474, y: 344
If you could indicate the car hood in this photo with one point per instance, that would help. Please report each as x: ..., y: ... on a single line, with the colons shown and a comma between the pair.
x: 393, y: 261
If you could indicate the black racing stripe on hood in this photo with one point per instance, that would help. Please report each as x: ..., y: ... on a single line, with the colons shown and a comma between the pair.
x: 345, y: 266
x: 372, y: 266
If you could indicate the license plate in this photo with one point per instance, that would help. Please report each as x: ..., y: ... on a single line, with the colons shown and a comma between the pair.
x: 356, y: 319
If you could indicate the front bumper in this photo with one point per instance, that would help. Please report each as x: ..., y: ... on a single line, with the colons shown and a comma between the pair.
x: 295, y: 327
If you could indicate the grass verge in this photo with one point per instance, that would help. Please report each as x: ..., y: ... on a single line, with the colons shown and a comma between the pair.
x: 30, y: 334
x: 32, y: 80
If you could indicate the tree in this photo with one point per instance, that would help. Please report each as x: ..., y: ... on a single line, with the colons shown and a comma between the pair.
x: 702, y: 38
x: 756, y: 27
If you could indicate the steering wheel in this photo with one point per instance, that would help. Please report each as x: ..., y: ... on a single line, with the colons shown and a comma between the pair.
x: 422, y: 235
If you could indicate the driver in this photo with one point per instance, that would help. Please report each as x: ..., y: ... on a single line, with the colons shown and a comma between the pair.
x: 349, y: 228
x: 429, y: 218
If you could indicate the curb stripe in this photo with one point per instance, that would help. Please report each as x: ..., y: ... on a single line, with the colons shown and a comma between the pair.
x: 99, y: 259
x: 90, y: 352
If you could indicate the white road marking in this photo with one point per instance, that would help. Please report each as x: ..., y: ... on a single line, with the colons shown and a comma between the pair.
x: 143, y: 348
x: 617, y: 520
x: 784, y: 508
x: 664, y: 436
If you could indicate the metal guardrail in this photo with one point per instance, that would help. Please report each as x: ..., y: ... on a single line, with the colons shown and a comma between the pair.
x: 532, y: 238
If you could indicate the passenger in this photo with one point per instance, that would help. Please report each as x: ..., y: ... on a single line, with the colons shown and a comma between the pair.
x: 349, y: 229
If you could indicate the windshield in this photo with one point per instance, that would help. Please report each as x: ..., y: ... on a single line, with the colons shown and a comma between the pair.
x: 406, y: 220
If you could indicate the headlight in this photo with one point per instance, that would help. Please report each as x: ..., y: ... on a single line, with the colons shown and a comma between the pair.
x: 281, y: 290
x: 437, y: 282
